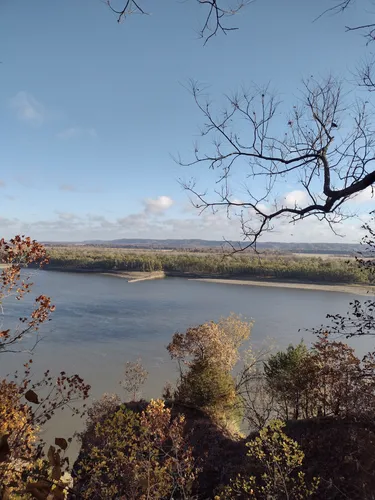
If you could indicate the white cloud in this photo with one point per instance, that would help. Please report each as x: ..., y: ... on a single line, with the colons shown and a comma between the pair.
x: 8, y: 223
x: 365, y: 196
x: 76, y: 132
x: 67, y: 216
x: 27, y: 108
x: 158, y: 205
x: 295, y: 198
x: 68, y: 226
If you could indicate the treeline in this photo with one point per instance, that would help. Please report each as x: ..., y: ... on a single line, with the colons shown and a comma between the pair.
x: 277, y: 267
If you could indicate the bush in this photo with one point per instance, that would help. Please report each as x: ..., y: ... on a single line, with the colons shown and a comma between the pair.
x: 136, y: 456
x: 17, y: 437
x: 208, y: 387
x: 281, y: 462
x: 206, y: 355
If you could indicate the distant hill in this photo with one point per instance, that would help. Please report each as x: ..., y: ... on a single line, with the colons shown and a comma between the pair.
x: 201, y: 245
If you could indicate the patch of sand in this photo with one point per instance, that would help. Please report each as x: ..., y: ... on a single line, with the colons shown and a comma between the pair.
x: 353, y: 289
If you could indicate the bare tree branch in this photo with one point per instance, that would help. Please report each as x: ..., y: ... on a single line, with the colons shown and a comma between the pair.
x: 341, y: 6
x: 328, y: 149
x: 215, y: 18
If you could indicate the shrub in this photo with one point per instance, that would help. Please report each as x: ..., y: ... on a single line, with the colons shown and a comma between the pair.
x: 291, y: 378
x: 17, y: 437
x: 206, y: 355
x: 281, y: 477
x: 136, y: 456
x: 208, y: 387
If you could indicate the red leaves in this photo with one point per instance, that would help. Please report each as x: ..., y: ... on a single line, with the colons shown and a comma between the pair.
x: 42, y: 312
x: 23, y: 250
x: 5, y: 334
x: 18, y: 253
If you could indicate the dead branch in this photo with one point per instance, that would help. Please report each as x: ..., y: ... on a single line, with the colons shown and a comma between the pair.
x: 215, y: 20
x: 324, y: 147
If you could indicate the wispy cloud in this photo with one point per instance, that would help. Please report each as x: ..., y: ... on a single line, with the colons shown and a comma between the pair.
x: 67, y: 187
x: 67, y: 216
x: 66, y: 226
x: 2, y: 184
x: 28, y: 108
x: 76, y: 132
x: 158, y: 205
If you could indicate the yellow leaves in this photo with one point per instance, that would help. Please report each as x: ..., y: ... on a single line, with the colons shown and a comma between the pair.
x: 17, y: 435
x: 216, y: 343
x: 280, y: 458
x: 138, y: 454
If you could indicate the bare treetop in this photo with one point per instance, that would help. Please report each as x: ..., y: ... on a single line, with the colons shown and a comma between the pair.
x: 215, y: 18
x: 367, y: 28
x: 325, y: 146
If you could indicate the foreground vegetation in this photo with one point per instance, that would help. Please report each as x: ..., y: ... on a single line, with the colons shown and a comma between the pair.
x: 278, y: 267
x: 310, y: 411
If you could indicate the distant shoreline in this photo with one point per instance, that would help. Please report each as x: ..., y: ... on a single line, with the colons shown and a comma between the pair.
x: 136, y: 276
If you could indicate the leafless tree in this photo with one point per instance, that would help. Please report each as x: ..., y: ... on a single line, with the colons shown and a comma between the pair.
x: 256, y: 401
x: 217, y: 13
x: 135, y: 375
x: 365, y: 71
x: 325, y: 145
x: 341, y: 6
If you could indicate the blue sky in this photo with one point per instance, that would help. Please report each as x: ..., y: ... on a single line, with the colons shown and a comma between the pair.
x: 91, y: 111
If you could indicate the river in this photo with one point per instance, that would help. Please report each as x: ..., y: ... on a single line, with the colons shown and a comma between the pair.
x: 102, y: 321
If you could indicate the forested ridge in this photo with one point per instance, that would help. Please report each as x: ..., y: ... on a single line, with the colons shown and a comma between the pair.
x: 268, y: 266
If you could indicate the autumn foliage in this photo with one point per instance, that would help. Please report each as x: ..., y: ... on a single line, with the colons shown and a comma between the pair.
x: 16, y: 254
x: 136, y: 455
x: 207, y: 355
x: 141, y: 450
x: 279, y: 459
x: 26, y: 403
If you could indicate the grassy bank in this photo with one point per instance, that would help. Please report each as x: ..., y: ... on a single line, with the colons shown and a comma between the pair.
x: 238, y: 266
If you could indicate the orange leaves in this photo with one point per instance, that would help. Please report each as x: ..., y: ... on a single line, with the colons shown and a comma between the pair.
x: 22, y: 250
x: 216, y: 343
x: 19, y: 423
x: 27, y: 405
x: 16, y: 254
x: 42, y: 312
x: 17, y: 434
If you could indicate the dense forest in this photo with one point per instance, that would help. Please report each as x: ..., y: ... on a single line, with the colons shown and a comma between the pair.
x: 268, y: 266
x: 196, y: 245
